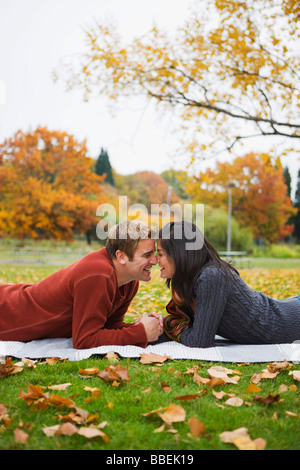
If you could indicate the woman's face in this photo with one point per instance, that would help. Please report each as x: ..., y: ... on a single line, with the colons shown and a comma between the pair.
x: 166, y: 264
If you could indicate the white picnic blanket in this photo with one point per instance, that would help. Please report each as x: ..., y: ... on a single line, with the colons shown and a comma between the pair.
x: 225, y: 352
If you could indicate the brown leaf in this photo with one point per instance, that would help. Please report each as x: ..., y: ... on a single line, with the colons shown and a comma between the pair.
x: 191, y: 397
x: 91, y: 371
x: 221, y: 394
x: 278, y: 366
x: 268, y: 400
x: 234, y: 401
x: 59, y: 386
x: 197, y: 427
x: 214, y: 382
x: 173, y: 414
x: 8, y: 368
x: 220, y: 372
x: 241, y: 439
x: 3, y: 411
x: 111, y: 356
x: 112, y: 373
x: 295, y: 374
x: 34, y: 394
x: 21, y: 436
x: 166, y: 388
x: 253, y: 388
x: 67, y: 429
x: 91, y: 432
x: 51, y: 361
x: 153, y: 358
x: 58, y: 401
x: 200, y: 380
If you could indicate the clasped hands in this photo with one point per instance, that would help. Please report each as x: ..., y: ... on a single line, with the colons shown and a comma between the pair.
x: 153, y: 324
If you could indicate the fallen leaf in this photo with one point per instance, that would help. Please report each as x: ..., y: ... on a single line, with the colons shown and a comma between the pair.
x: 91, y: 432
x: 265, y: 374
x: 221, y: 394
x: 173, y: 414
x: 153, y: 358
x: 268, y: 400
x: 160, y: 429
x: 278, y: 366
x: 197, y: 428
x: 200, y: 380
x: 3, y: 411
x: 67, y: 429
x: 54, y: 360
x: 234, y: 401
x: 241, y: 439
x: 220, y: 372
x: 295, y: 374
x: 59, y: 386
x: 215, y: 381
x: 8, y: 368
x: 290, y: 413
x: 111, y: 356
x: 33, y: 394
x: 91, y: 371
x: 50, y: 431
x: 112, y: 373
x: 253, y: 388
x: 21, y: 436
x: 190, y: 397
x: 166, y: 388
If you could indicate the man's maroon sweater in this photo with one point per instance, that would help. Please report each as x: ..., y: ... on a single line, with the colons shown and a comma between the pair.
x: 82, y: 301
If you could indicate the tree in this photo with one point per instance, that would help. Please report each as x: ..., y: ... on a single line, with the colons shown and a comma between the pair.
x: 48, y: 188
x: 103, y: 167
x: 230, y: 73
x: 296, y: 218
x: 177, y: 179
x: 157, y: 189
x: 259, y: 194
x: 288, y: 181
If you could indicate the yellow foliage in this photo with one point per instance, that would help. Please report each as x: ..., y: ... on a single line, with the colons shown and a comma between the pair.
x: 48, y: 188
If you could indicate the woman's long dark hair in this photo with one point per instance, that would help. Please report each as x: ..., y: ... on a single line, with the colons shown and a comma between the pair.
x: 191, y: 252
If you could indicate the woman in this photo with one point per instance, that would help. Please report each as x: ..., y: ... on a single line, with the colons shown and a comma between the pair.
x: 209, y: 297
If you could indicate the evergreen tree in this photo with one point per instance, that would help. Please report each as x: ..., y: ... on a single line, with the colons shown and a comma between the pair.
x: 288, y: 180
x: 296, y: 218
x: 103, y: 166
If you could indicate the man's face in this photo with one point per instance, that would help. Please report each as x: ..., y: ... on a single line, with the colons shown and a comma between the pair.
x: 142, y: 261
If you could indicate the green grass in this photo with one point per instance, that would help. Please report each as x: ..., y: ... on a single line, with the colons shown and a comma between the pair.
x: 122, y: 407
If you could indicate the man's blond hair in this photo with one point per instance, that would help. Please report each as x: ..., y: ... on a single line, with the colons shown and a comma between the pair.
x: 126, y: 236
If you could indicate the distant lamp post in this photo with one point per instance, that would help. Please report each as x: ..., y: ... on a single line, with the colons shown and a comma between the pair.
x: 169, y: 196
x: 229, y: 186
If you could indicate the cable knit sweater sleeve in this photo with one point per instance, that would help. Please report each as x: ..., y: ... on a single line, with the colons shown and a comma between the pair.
x: 211, y: 292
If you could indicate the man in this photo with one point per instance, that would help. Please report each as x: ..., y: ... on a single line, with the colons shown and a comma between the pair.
x: 87, y: 300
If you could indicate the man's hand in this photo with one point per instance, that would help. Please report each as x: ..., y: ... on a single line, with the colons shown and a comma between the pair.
x: 152, y: 326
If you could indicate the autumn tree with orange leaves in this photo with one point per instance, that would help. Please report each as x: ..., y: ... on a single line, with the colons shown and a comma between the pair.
x: 259, y: 194
x: 48, y: 187
x: 230, y: 73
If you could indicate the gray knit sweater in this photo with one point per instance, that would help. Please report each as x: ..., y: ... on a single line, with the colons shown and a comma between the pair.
x: 229, y: 308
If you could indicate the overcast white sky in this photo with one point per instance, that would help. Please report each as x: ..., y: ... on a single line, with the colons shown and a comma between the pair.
x: 36, y: 34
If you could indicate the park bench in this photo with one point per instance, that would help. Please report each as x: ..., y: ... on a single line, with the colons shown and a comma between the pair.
x: 237, y: 258
x: 29, y: 254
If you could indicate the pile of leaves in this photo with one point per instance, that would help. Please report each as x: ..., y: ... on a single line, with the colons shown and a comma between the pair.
x: 179, y: 415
